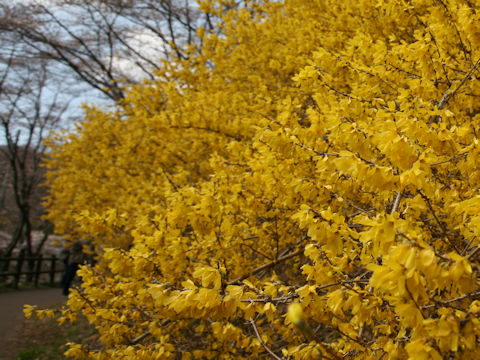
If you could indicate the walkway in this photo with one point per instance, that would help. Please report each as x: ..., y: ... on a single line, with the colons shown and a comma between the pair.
x: 11, y: 310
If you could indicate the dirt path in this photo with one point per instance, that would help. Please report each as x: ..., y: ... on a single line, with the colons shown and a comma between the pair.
x: 11, y: 311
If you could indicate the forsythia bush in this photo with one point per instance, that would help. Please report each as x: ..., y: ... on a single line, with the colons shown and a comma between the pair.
x: 306, y: 186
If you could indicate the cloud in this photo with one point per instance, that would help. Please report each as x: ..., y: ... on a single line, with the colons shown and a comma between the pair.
x: 147, y: 50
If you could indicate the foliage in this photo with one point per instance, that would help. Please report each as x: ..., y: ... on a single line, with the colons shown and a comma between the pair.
x: 305, y: 186
x: 31, y: 353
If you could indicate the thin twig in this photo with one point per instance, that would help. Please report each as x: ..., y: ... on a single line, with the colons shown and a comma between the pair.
x: 473, y: 253
x: 147, y: 333
x: 414, y: 301
x: 448, y: 95
x: 354, y: 206
x: 451, y: 159
x: 315, y: 151
x: 459, y: 298
x: 468, y: 245
x: 362, y: 70
x: 321, y: 287
x: 444, y: 230
x: 396, y: 202
x: 281, y: 299
x: 446, y: 302
x: 381, y: 356
x: 175, y: 187
x: 140, y: 338
x: 89, y: 303
x: 287, y: 298
x: 413, y: 242
x: 272, y: 354
x: 239, y: 280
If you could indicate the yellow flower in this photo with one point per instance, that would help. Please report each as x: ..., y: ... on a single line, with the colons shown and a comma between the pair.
x: 295, y: 313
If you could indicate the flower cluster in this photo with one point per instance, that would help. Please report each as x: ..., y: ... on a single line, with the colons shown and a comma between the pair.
x: 303, y: 186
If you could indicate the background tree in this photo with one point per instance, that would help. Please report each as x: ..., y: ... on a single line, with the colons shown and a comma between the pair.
x: 32, y: 105
x: 108, y: 44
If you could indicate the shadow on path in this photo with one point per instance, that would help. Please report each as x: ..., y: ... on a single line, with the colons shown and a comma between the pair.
x: 11, y: 310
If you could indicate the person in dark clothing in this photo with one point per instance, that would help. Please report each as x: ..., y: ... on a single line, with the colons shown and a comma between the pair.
x: 75, y: 259
x: 64, y: 256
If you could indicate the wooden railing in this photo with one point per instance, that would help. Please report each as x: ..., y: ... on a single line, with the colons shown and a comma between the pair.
x: 19, y: 269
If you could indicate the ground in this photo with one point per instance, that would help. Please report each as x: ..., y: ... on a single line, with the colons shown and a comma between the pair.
x: 22, y: 339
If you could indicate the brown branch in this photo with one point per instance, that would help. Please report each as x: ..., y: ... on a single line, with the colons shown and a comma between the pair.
x: 250, y: 237
x: 321, y: 153
x: 444, y: 230
x: 147, y: 333
x: 257, y: 251
x: 87, y: 301
x: 239, y: 280
x: 287, y: 298
x: 464, y: 251
x: 353, y: 205
x: 321, y: 287
x: 459, y: 298
x: 413, y: 299
x: 350, y: 97
x: 447, y: 302
x: 140, y: 338
x: 381, y: 356
x: 175, y: 186
x: 346, y: 62
x: 473, y: 252
x: 272, y: 354
x: 415, y: 243
x: 281, y: 299
x: 448, y: 95
x: 451, y: 159
x: 207, y: 129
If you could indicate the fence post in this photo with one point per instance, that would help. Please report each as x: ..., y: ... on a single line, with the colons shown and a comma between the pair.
x: 38, y: 269
x: 30, y: 273
x: 18, y: 270
x: 4, y: 267
x: 52, y: 270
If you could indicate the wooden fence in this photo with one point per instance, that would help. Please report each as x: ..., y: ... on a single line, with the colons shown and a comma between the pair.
x: 15, y: 270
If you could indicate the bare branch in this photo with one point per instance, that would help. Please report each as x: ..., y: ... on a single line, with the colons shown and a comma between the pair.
x: 267, y: 349
x: 449, y: 94
x: 442, y: 226
x: 239, y: 280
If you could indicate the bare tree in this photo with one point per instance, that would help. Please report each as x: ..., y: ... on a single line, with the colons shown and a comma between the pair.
x: 29, y: 110
x: 106, y: 44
